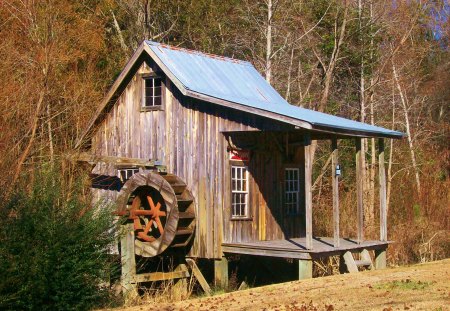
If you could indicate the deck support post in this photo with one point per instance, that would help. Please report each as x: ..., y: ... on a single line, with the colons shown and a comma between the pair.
x: 360, y: 190
x: 335, y: 186
x: 128, y: 261
x: 221, y: 273
x: 308, y: 193
x: 305, y: 268
x: 380, y: 259
x: 382, y: 180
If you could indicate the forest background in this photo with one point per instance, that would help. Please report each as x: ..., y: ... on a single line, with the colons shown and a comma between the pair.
x: 382, y: 62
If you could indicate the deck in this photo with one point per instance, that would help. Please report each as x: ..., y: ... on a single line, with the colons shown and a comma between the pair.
x: 295, y: 248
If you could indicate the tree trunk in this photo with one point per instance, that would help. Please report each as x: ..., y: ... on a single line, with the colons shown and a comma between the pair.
x: 269, y: 42
x: 408, y: 128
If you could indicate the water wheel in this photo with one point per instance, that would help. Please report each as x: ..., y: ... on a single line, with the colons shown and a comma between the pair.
x: 161, y: 208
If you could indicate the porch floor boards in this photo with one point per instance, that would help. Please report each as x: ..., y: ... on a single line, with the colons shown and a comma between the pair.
x: 296, y: 247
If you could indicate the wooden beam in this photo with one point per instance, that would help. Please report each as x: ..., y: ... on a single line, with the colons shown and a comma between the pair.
x: 199, y: 276
x: 335, y: 186
x: 359, y: 191
x: 162, y: 276
x: 308, y: 192
x: 128, y: 261
x: 382, y: 181
x: 94, y: 159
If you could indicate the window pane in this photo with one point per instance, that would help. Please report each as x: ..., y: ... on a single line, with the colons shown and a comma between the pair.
x: 157, y: 91
x: 148, y: 102
x: 157, y: 81
x: 157, y: 101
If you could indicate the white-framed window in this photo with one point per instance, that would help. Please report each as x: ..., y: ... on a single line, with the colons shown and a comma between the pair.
x: 126, y: 173
x: 292, y: 191
x: 152, y: 92
x: 239, y: 192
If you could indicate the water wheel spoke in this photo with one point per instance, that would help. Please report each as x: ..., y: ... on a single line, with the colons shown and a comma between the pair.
x: 161, y: 214
x: 145, y: 237
x: 137, y: 223
x: 143, y: 212
x: 160, y: 227
x: 148, y: 227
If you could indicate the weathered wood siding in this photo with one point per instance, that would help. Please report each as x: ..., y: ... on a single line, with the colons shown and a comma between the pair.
x: 186, y: 135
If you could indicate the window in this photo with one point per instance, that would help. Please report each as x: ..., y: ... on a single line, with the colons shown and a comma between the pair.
x: 291, y: 191
x: 152, y: 96
x: 126, y: 173
x: 239, y: 192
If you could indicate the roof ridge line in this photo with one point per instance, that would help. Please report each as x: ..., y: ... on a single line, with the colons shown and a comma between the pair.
x: 190, y: 51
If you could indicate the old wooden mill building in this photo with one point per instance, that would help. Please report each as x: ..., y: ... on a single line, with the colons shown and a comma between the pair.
x: 206, y: 160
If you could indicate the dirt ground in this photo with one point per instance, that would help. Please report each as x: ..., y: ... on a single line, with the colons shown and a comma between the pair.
x: 418, y: 287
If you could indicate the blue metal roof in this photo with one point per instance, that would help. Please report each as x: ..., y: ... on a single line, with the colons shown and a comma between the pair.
x: 239, y: 82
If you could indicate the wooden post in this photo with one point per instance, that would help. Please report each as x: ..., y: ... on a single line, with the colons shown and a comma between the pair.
x: 305, y: 268
x: 180, y: 286
x: 359, y: 190
x: 308, y: 193
x: 221, y: 273
x: 382, y: 180
x: 380, y: 258
x: 128, y: 261
x: 335, y: 185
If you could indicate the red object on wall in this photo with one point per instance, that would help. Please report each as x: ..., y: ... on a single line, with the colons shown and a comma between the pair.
x: 240, y: 155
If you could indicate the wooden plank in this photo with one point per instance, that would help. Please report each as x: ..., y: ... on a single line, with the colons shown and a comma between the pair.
x: 308, y: 192
x: 380, y: 259
x: 335, y: 186
x: 382, y: 181
x: 93, y: 159
x: 268, y: 252
x: 359, y: 190
x: 199, y: 276
x: 305, y: 269
x: 365, y: 256
x: 221, y: 273
x: 128, y: 261
x: 350, y: 262
x: 161, y: 276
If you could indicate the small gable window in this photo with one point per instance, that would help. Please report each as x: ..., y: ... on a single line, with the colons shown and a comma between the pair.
x: 152, y: 94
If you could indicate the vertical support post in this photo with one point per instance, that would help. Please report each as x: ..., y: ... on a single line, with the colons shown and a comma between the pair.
x: 221, y: 273
x: 380, y: 259
x: 128, y: 261
x: 308, y: 193
x: 180, y: 286
x: 382, y: 180
x: 335, y: 186
x: 359, y: 190
x: 305, y: 268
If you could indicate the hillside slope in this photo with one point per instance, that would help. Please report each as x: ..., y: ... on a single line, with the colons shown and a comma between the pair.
x: 418, y: 287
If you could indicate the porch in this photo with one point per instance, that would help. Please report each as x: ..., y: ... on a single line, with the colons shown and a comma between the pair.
x: 295, y: 248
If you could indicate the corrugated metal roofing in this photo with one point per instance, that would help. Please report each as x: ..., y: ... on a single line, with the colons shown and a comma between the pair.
x: 239, y: 82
